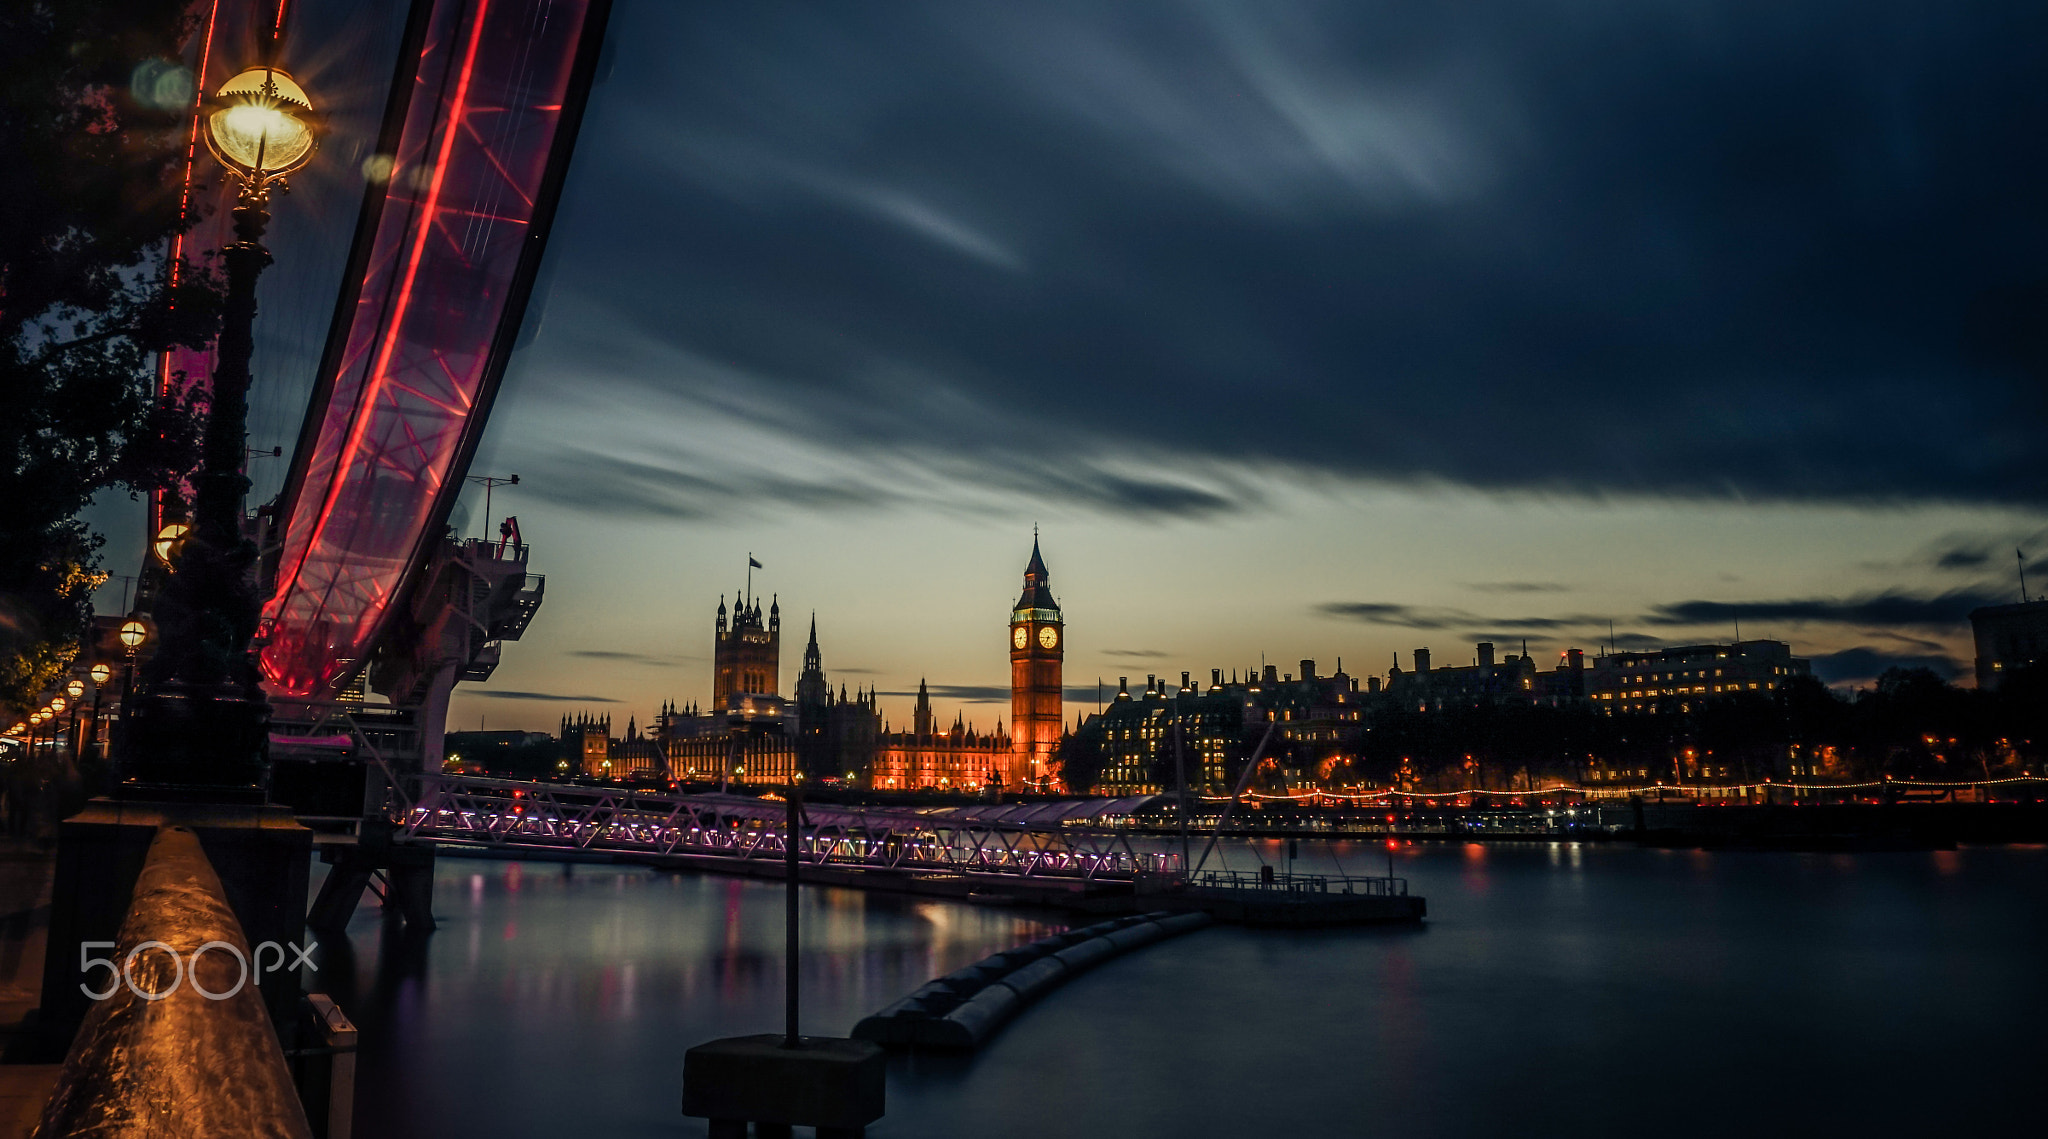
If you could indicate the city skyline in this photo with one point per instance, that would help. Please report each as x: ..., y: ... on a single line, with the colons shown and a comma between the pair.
x: 1320, y: 330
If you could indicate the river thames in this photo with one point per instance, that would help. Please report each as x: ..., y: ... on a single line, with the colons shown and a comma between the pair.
x: 1554, y: 990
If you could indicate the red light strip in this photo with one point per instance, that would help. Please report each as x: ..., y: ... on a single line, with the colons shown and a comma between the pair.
x: 163, y: 379
x: 379, y: 370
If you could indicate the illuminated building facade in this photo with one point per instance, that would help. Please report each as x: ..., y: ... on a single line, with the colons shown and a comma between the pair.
x: 959, y: 759
x: 1678, y: 679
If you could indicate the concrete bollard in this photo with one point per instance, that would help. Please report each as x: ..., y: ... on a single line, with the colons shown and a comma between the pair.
x: 835, y: 1085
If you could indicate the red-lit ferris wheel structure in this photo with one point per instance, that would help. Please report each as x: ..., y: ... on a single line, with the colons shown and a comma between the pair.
x: 462, y: 185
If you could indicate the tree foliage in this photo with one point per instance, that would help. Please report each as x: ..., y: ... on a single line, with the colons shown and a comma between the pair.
x: 91, y: 155
x: 1079, y: 761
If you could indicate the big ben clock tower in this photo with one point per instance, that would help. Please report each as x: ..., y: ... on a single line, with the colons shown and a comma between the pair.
x: 1038, y: 644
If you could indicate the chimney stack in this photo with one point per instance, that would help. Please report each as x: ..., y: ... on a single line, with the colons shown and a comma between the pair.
x: 1422, y: 660
x: 1308, y: 670
x: 1486, y: 654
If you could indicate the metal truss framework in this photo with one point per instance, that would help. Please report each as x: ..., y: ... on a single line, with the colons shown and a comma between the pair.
x: 339, y: 731
x: 477, y: 138
x: 1068, y: 844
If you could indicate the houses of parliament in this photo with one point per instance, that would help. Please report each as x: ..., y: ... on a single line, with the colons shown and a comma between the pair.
x: 750, y: 733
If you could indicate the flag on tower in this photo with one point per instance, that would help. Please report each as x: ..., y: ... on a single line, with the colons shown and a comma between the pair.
x: 752, y: 564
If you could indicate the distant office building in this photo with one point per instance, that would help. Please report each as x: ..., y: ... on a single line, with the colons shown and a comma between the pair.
x: 2009, y: 638
x: 1138, y: 735
x: 1676, y: 679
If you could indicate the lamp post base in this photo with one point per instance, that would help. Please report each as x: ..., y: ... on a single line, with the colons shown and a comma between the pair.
x: 197, y: 743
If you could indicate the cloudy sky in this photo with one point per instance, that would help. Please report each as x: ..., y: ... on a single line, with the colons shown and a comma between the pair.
x: 1300, y: 329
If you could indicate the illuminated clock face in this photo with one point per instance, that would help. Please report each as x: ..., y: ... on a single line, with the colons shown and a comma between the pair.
x: 1020, y: 636
x: 1049, y: 637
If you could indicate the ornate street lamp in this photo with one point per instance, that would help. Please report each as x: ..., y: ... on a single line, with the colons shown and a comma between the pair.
x: 75, y: 688
x: 100, y: 673
x: 170, y: 541
x: 203, y: 721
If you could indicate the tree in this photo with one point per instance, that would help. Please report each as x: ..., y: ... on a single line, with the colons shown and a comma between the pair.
x: 1078, y: 762
x: 91, y: 154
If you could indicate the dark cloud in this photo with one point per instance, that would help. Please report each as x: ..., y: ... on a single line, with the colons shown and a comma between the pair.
x: 1101, y: 252
x: 959, y: 693
x: 647, y: 659
x: 1868, y: 663
x: 1921, y: 643
x: 1438, y: 617
x: 1134, y: 654
x: 1517, y: 587
x: 596, y: 481
x: 590, y: 481
x: 991, y: 694
x: 1965, y: 559
x: 508, y: 694
x: 1891, y: 608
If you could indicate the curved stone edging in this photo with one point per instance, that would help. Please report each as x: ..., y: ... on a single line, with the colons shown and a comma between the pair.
x: 962, y: 1009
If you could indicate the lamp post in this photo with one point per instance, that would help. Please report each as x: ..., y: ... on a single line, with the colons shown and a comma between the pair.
x: 202, y: 720
x: 101, y: 673
x: 74, y: 690
x: 133, y: 632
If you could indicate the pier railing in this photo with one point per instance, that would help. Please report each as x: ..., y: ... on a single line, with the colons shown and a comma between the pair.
x: 1281, y: 882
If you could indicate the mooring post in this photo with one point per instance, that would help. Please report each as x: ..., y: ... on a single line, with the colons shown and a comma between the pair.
x: 779, y: 1082
x: 789, y: 981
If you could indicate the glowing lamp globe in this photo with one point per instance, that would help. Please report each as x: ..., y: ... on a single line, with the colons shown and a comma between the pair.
x: 57, y: 704
x: 261, y: 125
x: 101, y: 673
x: 75, y: 689
x: 35, y: 717
x: 133, y: 633
x: 169, y: 541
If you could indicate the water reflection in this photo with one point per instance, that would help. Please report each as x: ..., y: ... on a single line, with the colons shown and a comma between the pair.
x: 1555, y: 990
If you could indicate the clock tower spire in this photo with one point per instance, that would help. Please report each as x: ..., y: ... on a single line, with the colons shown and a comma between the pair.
x: 1038, y: 645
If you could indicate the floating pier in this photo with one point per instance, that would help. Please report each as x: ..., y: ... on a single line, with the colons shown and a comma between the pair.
x: 964, y: 1008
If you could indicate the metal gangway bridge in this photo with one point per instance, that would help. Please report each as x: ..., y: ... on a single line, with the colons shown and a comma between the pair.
x: 1071, y: 840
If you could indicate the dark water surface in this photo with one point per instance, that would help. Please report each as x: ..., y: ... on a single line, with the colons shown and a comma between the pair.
x: 1555, y: 990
